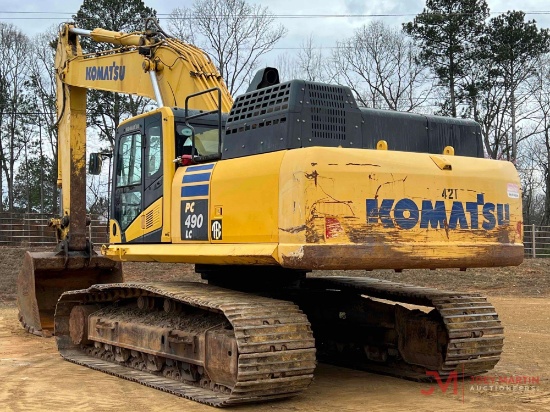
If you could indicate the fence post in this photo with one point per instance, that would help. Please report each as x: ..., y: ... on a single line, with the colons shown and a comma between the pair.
x: 26, y: 229
x: 533, y: 241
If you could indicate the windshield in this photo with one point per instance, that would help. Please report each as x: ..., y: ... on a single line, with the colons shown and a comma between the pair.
x: 206, y: 140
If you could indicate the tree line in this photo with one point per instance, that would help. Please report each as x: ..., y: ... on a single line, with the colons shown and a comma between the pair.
x: 452, y: 59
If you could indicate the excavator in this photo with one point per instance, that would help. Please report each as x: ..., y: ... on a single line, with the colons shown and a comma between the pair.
x: 290, y: 178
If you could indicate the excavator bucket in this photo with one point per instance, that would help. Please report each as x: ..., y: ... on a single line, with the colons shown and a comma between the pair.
x: 44, y: 276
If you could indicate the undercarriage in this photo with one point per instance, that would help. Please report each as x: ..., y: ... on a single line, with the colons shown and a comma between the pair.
x: 223, y: 347
x: 204, y: 343
x: 369, y: 324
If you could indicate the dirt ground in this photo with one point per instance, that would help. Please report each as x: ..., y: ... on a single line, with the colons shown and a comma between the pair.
x: 34, y: 377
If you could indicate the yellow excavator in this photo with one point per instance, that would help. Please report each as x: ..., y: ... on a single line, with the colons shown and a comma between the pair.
x: 291, y: 177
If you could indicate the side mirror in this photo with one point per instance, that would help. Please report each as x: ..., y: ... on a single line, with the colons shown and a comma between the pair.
x: 94, y: 164
x: 189, y: 145
x: 187, y: 131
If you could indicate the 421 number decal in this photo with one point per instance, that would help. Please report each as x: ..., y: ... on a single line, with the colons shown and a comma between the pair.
x: 449, y: 194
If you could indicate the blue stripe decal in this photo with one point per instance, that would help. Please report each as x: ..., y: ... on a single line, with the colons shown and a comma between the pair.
x: 209, y: 166
x: 190, y: 191
x: 198, y: 177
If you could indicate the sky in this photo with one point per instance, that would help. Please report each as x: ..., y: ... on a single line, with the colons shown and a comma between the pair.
x: 36, y: 16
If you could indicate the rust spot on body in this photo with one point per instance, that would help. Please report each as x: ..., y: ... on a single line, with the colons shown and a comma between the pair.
x: 362, y: 164
x: 503, y: 234
x: 294, y: 229
x: 312, y: 234
x: 313, y: 176
x: 388, y: 183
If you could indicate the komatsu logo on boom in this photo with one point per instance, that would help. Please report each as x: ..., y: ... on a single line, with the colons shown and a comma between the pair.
x: 406, y: 214
x: 108, y: 72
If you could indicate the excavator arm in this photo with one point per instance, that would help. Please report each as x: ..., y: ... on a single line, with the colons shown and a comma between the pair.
x: 150, y: 64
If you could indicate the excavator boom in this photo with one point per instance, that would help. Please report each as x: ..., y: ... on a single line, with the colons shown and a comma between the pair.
x: 149, y: 64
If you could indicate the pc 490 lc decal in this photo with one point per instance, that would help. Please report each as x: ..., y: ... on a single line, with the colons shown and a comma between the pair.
x: 407, y: 214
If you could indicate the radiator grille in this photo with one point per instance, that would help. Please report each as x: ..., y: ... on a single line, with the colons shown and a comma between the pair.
x: 328, y: 114
x: 268, y: 101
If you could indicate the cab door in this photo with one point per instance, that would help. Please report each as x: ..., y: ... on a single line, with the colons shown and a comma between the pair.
x: 128, y: 185
x: 137, y: 197
x: 152, y: 180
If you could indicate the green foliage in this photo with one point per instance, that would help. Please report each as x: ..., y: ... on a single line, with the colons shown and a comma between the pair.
x: 513, y: 45
x: 481, y: 64
x: 446, y: 32
x: 33, y: 191
x: 117, y: 15
x: 508, y: 54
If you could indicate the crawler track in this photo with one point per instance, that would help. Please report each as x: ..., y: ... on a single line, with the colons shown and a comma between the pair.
x: 472, y: 338
x: 276, y: 351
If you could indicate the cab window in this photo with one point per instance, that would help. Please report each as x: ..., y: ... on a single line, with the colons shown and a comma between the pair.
x: 128, y: 181
x: 206, y: 140
x: 154, y: 151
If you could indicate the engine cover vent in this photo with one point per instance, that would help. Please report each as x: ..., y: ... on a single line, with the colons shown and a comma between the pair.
x: 292, y: 115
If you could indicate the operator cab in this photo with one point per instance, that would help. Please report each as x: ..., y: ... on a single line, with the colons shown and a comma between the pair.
x: 146, y: 149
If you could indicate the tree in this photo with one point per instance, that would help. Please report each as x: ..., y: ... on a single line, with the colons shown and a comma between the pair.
x: 308, y: 64
x: 117, y: 15
x: 234, y: 33
x: 14, y: 64
x: 446, y: 32
x: 42, y: 85
x: 105, y: 109
x: 513, y: 46
x: 534, y: 206
x: 97, y: 202
x: 30, y: 194
x: 539, y: 155
x: 381, y: 66
x: 180, y: 25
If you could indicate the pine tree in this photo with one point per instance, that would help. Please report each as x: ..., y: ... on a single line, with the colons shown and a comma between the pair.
x: 447, y: 32
x: 513, y: 47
